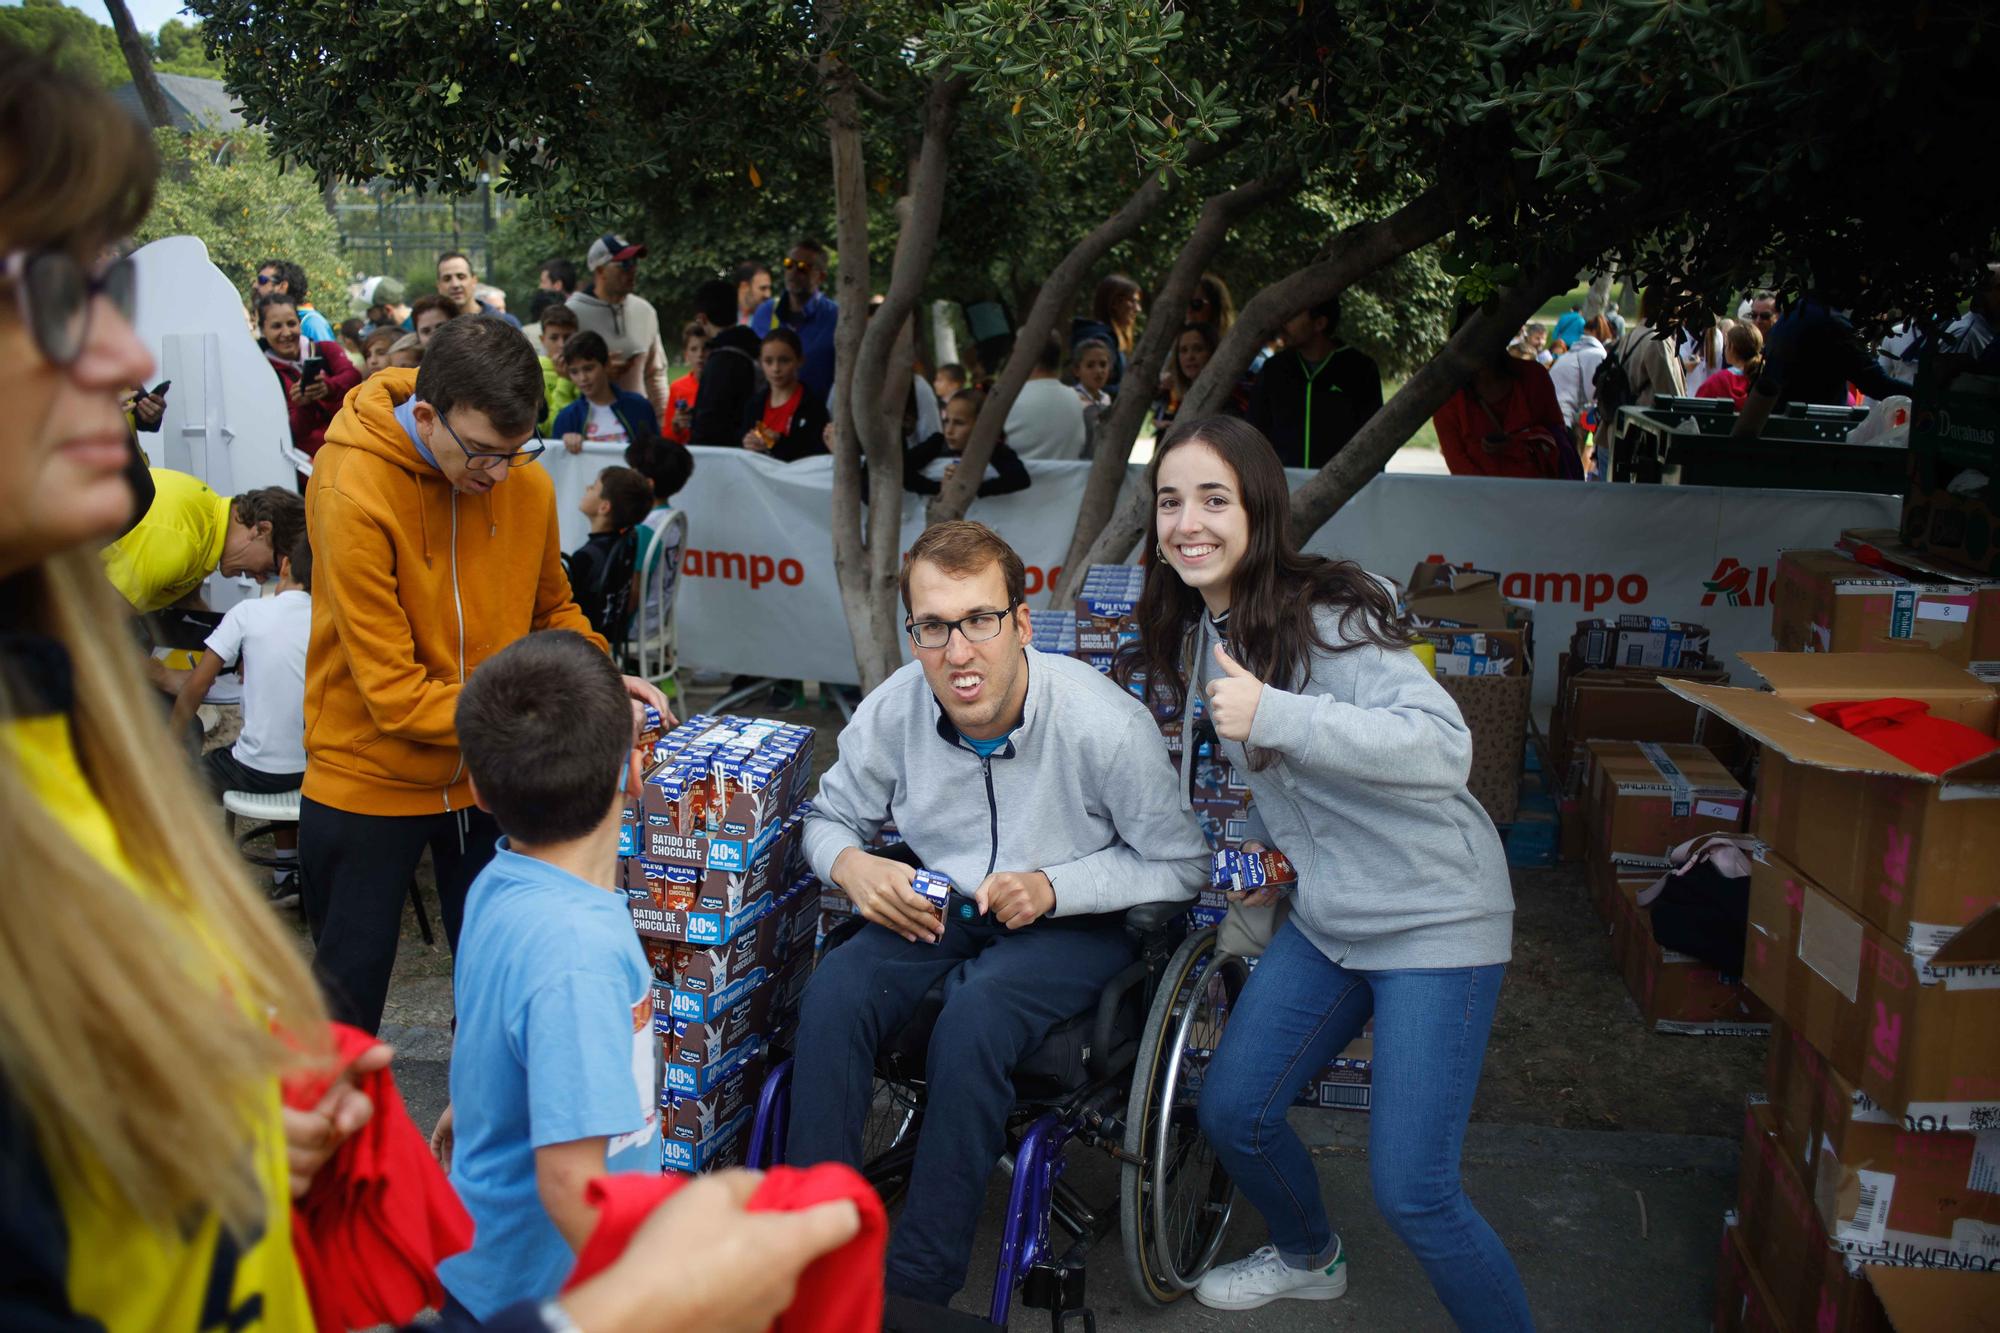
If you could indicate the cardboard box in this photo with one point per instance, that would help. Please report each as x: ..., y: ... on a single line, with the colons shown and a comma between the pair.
x: 1105, y: 608
x: 697, y: 1119
x: 685, y: 927
x: 1743, y: 1300
x: 1918, y: 1300
x: 1638, y: 641
x: 1812, y: 1285
x: 1495, y: 709
x: 1882, y: 547
x: 1880, y: 1190
x: 722, y: 1148
x: 1828, y: 602
x: 1914, y: 853
x: 697, y: 982
x: 1345, y: 1084
x: 718, y: 795
x: 1485, y: 652
x: 1677, y: 993
x: 1646, y: 798
x: 1441, y: 595
x: 1629, y: 704
x: 1916, y: 1035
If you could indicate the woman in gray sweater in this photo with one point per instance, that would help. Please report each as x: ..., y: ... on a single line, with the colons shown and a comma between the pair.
x: 1356, y: 761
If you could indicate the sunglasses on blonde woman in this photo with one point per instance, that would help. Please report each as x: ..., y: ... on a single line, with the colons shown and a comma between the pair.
x: 55, y: 295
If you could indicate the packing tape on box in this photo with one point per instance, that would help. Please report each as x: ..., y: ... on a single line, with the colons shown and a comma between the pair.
x: 1683, y: 792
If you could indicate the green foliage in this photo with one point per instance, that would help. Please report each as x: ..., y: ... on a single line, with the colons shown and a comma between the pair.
x: 177, y: 49
x: 83, y: 46
x: 228, y: 190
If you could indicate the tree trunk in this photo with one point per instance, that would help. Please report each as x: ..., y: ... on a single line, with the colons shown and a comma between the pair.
x: 140, y: 62
x: 1356, y: 252
x: 1056, y: 293
x: 1598, y: 299
x: 876, y: 650
x: 1476, y: 341
x: 1118, y: 431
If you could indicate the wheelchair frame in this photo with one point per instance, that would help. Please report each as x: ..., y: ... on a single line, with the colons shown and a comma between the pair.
x: 1137, y: 1106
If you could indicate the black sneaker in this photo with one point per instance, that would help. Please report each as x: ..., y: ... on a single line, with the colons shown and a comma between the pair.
x: 284, y: 890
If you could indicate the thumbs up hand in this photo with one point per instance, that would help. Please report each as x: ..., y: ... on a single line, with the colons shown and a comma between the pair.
x: 1233, y: 698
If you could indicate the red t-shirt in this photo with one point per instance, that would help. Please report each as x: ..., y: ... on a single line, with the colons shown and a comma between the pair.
x: 1725, y: 383
x: 680, y: 398
x: 778, y: 419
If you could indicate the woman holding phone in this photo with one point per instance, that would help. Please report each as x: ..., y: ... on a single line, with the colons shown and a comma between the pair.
x: 1357, y: 763
x: 316, y: 376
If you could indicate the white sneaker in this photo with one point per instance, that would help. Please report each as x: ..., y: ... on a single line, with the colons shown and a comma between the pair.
x: 1264, y: 1277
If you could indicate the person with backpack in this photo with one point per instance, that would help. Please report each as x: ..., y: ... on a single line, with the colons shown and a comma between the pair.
x: 730, y: 374
x: 600, y: 570
x: 1642, y: 367
x: 1505, y: 423
x: 1574, y: 375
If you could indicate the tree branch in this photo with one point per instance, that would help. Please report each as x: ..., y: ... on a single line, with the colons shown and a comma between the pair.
x: 1356, y: 252
x: 1057, y: 291
x: 144, y: 81
x: 1120, y: 429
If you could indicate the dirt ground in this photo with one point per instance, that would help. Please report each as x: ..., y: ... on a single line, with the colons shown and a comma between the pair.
x: 1568, y: 1048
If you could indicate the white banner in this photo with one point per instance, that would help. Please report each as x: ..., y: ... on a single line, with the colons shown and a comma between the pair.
x: 759, y: 595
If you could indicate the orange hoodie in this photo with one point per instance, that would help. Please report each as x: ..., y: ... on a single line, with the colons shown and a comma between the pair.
x: 414, y: 585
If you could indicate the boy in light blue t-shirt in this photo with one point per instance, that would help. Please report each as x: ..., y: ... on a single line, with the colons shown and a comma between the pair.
x: 553, y: 1073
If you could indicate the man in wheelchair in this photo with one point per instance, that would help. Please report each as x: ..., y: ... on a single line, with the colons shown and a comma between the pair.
x: 1045, y: 794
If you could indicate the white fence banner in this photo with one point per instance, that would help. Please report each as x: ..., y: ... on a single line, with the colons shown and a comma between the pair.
x: 759, y: 595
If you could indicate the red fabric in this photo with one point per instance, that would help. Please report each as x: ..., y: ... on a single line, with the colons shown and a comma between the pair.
x: 778, y: 418
x: 380, y: 1215
x: 310, y: 420
x: 839, y: 1292
x: 1528, y: 411
x: 1725, y: 383
x: 1905, y: 728
x: 680, y: 398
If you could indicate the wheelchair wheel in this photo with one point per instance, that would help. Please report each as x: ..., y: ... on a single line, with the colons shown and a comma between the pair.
x: 889, y: 1138
x: 1175, y: 1197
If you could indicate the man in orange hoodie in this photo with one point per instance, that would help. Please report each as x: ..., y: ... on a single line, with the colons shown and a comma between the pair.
x: 436, y: 546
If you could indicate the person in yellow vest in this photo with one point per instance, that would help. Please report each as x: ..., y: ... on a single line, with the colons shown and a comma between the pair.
x: 149, y: 1001
x: 190, y: 532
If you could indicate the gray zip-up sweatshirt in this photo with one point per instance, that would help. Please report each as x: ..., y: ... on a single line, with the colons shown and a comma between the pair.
x: 1399, y: 867
x: 1083, y: 791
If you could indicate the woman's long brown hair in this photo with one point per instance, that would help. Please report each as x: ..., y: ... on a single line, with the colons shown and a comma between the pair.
x: 1275, y: 591
x: 139, y: 1021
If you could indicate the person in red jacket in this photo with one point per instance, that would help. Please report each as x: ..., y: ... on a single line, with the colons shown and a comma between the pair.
x: 1743, y: 352
x: 312, y: 399
x: 1505, y: 423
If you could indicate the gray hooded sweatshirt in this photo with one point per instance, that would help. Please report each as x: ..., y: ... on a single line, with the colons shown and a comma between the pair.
x: 1399, y: 867
x: 1083, y: 791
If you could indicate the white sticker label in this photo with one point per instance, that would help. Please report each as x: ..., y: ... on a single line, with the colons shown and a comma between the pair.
x: 1925, y: 939
x: 1973, y: 976
x: 1956, y: 613
x: 1871, y: 1210
x: 1718, y: 809
x: 1985, y: 1176
x: 1976, y: 1240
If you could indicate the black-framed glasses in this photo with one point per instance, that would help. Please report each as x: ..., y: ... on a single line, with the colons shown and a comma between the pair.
x: 487, y: 459
x: 55, y: 294
x: 978, y: 627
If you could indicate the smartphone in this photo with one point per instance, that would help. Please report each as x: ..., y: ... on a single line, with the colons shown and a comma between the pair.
x: 310, y: 370
x: 160, y: 390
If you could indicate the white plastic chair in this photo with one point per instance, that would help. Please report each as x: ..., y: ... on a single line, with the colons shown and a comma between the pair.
x: 266, y: 810
x: 659, y: 585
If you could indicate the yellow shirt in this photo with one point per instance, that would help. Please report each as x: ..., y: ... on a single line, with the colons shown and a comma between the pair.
x: 128, y: 1276
x: 174, y: 547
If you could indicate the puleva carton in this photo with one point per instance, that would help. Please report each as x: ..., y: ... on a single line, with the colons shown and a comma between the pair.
x: 1915, y: 854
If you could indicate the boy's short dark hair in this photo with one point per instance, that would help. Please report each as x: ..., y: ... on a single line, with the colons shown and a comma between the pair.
x: 587, y: 346
x: 281, y: 508
x: 664, y: 463
x: 482, y: 362
x: 543, y: 725
x: 1329, y: 310
x: 431, y: 301
x: 301, y: 556
x: 559, y: 316
x: 561, y: 272
x: 691, y: 330
x: 780, y: 334
x: 630, y: 494
x: 715, y: 301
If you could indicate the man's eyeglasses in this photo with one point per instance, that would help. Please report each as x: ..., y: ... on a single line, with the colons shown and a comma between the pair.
x: 55, y: 294
x: 789, y: 262
x: 1763, y: 316
x: 267, y: 279
x: 978, y: 627
x: 487, y: 459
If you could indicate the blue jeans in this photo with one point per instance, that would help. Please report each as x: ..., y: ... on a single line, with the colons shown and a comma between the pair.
x: 1299, y: 1010
x: 1004, y: 991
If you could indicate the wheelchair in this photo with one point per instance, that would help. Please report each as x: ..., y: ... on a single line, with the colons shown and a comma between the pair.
x: 1123, y: 1079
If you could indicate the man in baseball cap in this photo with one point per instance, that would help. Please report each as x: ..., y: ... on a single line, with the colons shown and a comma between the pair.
x: 628, y: 324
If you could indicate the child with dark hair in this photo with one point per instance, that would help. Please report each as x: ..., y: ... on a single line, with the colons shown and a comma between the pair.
x: 681, y: 394
x: 600, y: 570
x: 553, y: 1063
x: 603, y: 413
x: 786, y: 419
x: 927, y: 466
x: 556, y: 327
x: 948, y: 380
x: 267, y: 637
x: 668, y: 466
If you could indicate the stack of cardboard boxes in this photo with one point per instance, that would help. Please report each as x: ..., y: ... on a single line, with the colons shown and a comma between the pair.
x: 1485, y: 661
x: 1643, y: 799
x: 1874, y: 936
x: 712, y: 866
